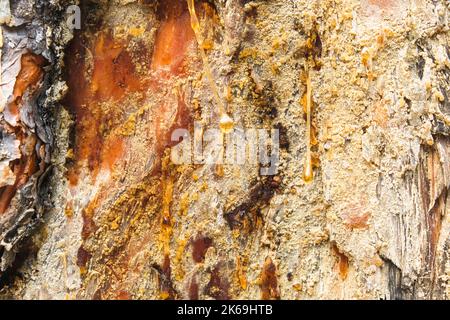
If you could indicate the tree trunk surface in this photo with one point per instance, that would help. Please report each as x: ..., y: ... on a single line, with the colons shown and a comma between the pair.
x: 93, y: 205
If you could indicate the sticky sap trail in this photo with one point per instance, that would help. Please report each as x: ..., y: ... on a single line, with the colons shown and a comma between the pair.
x: 308, y: 174
x: 226, y: 124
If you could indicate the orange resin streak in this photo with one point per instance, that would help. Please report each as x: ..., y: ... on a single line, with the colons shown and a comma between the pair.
x: 173, y: 39
x: 113, y: 77
x: 308, y: 173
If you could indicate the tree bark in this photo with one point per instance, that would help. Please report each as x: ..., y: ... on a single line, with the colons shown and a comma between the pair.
x: 92, y: 205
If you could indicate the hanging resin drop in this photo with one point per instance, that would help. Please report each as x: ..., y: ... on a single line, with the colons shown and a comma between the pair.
x: 226, y: 124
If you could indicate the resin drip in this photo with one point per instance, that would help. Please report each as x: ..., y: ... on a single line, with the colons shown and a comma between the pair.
x: 308, y: 173
x: 226, y: 124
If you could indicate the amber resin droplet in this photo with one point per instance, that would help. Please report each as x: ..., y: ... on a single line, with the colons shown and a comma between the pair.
x: 226, y: 123
x: 219, y: 171
x: 308, y: 173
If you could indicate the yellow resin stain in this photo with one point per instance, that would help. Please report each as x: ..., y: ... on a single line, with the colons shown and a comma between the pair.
x: 219, y: 170
x: 164, y: 295
x: 248, y: 52
x: 241, y: 270
x: 129, y: 126
x: 184, y: 204
x: 167, y: 199
x: 179, y: 272
x: 137, y: 32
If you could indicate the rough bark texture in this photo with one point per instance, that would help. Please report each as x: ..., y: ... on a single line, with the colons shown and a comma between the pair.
x: 92, y: 207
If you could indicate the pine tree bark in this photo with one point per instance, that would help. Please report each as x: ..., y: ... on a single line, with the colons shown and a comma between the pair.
x: 92, y: 207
